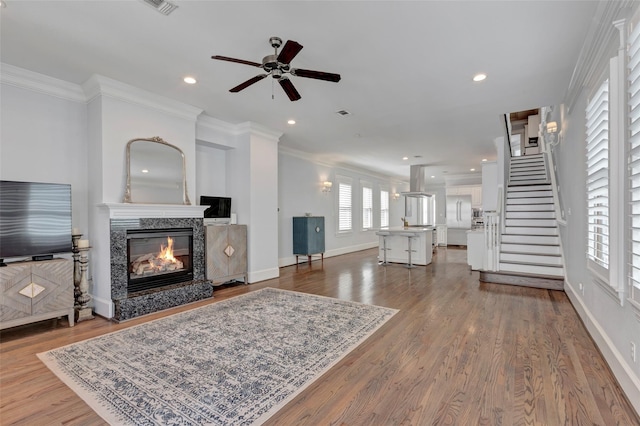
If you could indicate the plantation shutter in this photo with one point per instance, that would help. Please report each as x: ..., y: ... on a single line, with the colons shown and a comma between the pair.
x: 367, y: 207
x: 634, y: 160
x: 597, y: 115
x: 384, y: 208
x: 344, y: 207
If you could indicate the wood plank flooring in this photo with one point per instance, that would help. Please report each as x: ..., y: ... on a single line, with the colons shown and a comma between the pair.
x: 459, y: 352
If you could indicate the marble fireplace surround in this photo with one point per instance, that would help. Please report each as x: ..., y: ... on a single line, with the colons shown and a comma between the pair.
x: 125, y: 217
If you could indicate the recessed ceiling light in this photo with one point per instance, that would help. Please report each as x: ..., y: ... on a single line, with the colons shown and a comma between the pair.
x: 291, y: 122
x: 405, y: 158
x: 484, y: 159
x: 479, y: 77
x: 472, y: 170
x: 433, y: 177
x: 190, y: 80
x: 145, y: 171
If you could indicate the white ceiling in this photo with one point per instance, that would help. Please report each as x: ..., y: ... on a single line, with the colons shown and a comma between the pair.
x: 406, y: 67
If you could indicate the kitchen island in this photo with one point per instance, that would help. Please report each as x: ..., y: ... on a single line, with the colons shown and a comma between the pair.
x: 396, y: 240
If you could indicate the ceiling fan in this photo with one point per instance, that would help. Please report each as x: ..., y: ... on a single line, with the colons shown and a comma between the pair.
x: 277, y: 65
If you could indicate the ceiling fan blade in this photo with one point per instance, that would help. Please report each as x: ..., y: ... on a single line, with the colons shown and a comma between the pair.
x: 238, y: 61
x: 248, y: 83
x: 288, y: 88
x: 289, y: 51
x: 318, y: 75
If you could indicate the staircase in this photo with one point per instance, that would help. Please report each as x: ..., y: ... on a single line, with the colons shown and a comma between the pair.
x: 530, y: 243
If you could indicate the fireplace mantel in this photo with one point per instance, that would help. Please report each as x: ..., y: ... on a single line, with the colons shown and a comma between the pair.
x: 137, y: 211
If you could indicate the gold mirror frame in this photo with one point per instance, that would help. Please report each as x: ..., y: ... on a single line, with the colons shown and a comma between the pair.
x: 180, y: 191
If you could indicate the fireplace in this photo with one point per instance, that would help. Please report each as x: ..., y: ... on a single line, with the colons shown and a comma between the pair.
x: 158, y: 257
x: 140, y: 282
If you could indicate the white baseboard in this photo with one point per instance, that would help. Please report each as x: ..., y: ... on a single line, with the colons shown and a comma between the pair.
x: 103, y: 307
x: 629, y: 382
x: 265, y: 274
x: 291, y: 260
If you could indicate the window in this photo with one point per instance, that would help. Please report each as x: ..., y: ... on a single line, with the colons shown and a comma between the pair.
x: 344, y: 206
x: 634, y: 162
x: 597, y: 115
x: 367, y: 207
x: 384, y: 208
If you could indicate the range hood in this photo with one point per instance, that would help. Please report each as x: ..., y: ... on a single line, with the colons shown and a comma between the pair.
x: 417, y: 183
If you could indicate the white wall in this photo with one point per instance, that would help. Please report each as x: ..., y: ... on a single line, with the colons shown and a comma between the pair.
x: 489, y: 186
x: 243, y: 159
x: 300, y: 191
x: 612, y: 326
x: 210, y: 172
x: 43, y: 138
x: 253, y: 180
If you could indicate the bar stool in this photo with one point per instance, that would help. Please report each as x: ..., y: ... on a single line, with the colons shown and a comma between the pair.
x: 409, y: 249
x: 384, y: 236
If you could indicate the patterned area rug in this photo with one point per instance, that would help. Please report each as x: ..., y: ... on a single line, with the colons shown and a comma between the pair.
x: 232, y: 362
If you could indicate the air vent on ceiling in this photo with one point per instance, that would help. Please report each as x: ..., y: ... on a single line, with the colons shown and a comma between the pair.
x: 343, y: 112
x: 161, y: 6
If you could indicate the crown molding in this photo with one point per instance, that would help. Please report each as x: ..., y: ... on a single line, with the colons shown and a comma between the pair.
x: 601, y: 38
x: 30, y: 80
x: 258, y: 129
x: 100, y: 85
x: 216, y: 125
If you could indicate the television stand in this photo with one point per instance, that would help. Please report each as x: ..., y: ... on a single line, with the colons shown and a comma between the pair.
x: 36, y: 291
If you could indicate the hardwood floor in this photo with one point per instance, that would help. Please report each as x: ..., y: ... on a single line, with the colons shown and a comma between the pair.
x: 458, y: 352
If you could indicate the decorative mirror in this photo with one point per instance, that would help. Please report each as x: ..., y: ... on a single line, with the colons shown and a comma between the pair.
x: 155, y: 173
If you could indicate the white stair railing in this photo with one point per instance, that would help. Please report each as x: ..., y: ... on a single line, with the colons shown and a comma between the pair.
x: 492, y: 232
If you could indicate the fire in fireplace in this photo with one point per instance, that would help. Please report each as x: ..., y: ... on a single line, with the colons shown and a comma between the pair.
x: 159, y: 257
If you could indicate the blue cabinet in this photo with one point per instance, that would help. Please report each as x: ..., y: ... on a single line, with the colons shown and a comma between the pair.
x: 308, y: 236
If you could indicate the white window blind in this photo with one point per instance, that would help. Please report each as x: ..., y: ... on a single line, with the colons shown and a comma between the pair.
x: 367, y: 207
x: 384, y: 208
x: 344, y: 207
x: 634, y: 160
x: 597, y: 115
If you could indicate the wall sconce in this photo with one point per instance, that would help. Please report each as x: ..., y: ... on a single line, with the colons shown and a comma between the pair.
x: 326, y: 186
x: 396, y: 196
x: 552, y: 135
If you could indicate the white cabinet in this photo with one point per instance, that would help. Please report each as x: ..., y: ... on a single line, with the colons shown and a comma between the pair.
x: 458, y: 190
x: 476, y: 197
x: 474, y: 190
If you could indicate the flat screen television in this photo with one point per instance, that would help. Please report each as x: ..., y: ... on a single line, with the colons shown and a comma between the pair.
x: 219, y: 207
x: 35, y: 219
